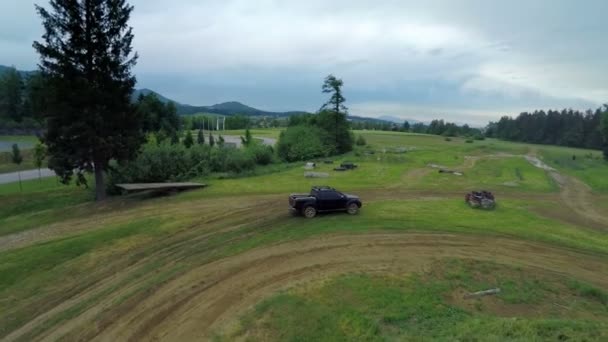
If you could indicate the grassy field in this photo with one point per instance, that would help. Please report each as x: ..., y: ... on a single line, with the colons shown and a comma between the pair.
x: 430, y: 306
x: 26, y: 143
x: 73, y: 270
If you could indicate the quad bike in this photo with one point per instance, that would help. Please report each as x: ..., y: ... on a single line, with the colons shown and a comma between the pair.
x: 480, y: 199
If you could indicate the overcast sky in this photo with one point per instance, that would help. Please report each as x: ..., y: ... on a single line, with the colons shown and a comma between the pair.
x: 466, y: 61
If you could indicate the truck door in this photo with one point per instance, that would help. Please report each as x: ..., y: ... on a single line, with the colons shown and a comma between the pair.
x: 333, y: 200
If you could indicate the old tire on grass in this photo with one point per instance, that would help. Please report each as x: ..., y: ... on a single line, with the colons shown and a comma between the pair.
x: 309, y: 212
x: 352, y: 209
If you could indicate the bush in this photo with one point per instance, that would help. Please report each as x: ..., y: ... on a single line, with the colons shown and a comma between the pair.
x: 479, y: 137
x: 262, y: 155
x: 361, y: 141
x: 469, y: 141
x: 448, y: 139
x: 238, y: 161
x: 301, y: 143
x: 164, y: 162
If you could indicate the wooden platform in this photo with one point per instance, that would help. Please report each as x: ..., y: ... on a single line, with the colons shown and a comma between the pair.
x: 159, y: 186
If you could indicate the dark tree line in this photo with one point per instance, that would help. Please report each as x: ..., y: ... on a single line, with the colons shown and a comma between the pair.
x: 158, y: 117
x: 20, y: 100
x: 436, y: 127
x: 565, y: 128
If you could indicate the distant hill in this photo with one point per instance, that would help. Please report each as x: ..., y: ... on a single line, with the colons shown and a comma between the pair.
x: 397, y: 120
x: 225, y: 108
x: 4, y: 68
x: 146, y: 92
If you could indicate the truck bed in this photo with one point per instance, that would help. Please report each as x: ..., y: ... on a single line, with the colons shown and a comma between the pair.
x: 294, y: 197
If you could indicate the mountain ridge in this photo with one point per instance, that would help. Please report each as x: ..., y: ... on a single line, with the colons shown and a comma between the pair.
x: 225, y: 108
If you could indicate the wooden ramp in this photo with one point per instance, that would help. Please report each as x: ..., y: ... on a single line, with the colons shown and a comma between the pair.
x: 169, y: 187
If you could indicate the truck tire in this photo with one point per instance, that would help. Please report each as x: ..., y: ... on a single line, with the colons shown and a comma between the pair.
x: 352, y: 209
x: 309, y: 211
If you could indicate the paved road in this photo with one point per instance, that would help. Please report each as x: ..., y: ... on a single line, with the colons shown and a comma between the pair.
x: 25, y: 175
x: 237, y: 140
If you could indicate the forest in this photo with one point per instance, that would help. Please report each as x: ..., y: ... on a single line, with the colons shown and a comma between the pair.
x: 567, y: 127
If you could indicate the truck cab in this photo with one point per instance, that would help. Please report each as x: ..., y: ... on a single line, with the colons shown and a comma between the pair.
x: 323, y: 199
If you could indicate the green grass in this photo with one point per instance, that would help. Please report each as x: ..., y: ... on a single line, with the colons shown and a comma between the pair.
x: 41, y: 269
x: 36, y: 274
x: 7, y: 165
x: 41, y: 202
x: 503, y: 174
x: 25, y: 142
x: 17, y: 265
x: 588, y: 166
x: 510, y: 218
x: 362, y: 307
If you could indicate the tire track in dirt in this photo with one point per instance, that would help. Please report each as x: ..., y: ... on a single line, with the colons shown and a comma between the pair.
x: 99, y: 220
x: 168, y: 252
x: 210, y: 297
x: 575, y: 194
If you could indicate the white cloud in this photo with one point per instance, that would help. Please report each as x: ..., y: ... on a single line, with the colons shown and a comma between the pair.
x: 493, y: 55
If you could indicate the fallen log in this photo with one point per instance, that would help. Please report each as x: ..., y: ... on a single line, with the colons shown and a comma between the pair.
x: 482, y: 293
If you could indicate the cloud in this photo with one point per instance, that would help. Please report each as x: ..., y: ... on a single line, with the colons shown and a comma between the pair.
x: 469, y: 58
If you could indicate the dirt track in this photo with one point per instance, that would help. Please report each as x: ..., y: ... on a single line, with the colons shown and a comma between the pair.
x: 209, y: 297
x: 575, y: 194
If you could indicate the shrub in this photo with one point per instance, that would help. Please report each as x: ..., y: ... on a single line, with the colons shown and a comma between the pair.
x: 163, y: 162
x: 448, y: 139
x: 301, y: 143
x: 238, y: 161
x: 361, y: 141
x: 479, y: 137
x: 262, y: 155
x: 469, y: 141
x: 188, y: 140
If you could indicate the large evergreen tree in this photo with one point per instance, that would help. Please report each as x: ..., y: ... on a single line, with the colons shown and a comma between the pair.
x: 332, y: 117
x: 333, y: 86
x: 86, y: 59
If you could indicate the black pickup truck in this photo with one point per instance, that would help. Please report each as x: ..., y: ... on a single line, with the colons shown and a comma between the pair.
x: 323, y: 199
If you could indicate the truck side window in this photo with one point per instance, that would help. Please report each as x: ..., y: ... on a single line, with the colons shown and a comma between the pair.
x: 333, y: 195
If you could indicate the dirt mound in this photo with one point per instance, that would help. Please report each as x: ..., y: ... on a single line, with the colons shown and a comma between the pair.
x: 209, y: 297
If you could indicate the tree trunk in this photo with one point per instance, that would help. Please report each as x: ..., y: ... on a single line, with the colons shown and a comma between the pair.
x: 20, y: 186
x: 100, y: 188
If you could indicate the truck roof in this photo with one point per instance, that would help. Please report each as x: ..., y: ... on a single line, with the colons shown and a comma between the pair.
x: 323, y: 188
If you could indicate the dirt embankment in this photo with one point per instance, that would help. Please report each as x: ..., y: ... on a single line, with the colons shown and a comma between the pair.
x: 209, y: 297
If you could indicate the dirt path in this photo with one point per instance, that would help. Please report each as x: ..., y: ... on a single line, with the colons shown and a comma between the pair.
x: 210, y: 297
x: 575, y: 194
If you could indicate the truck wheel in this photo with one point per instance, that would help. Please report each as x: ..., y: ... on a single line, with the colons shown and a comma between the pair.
x: 309, y: 212
x: 352, y: 209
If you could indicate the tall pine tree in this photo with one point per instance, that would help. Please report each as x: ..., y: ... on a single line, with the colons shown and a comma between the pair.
x: 86, y: 58
x: 332, y: 116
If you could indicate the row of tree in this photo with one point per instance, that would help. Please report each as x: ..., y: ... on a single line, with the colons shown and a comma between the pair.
x: 20, y: 100
x: 567, y: 127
